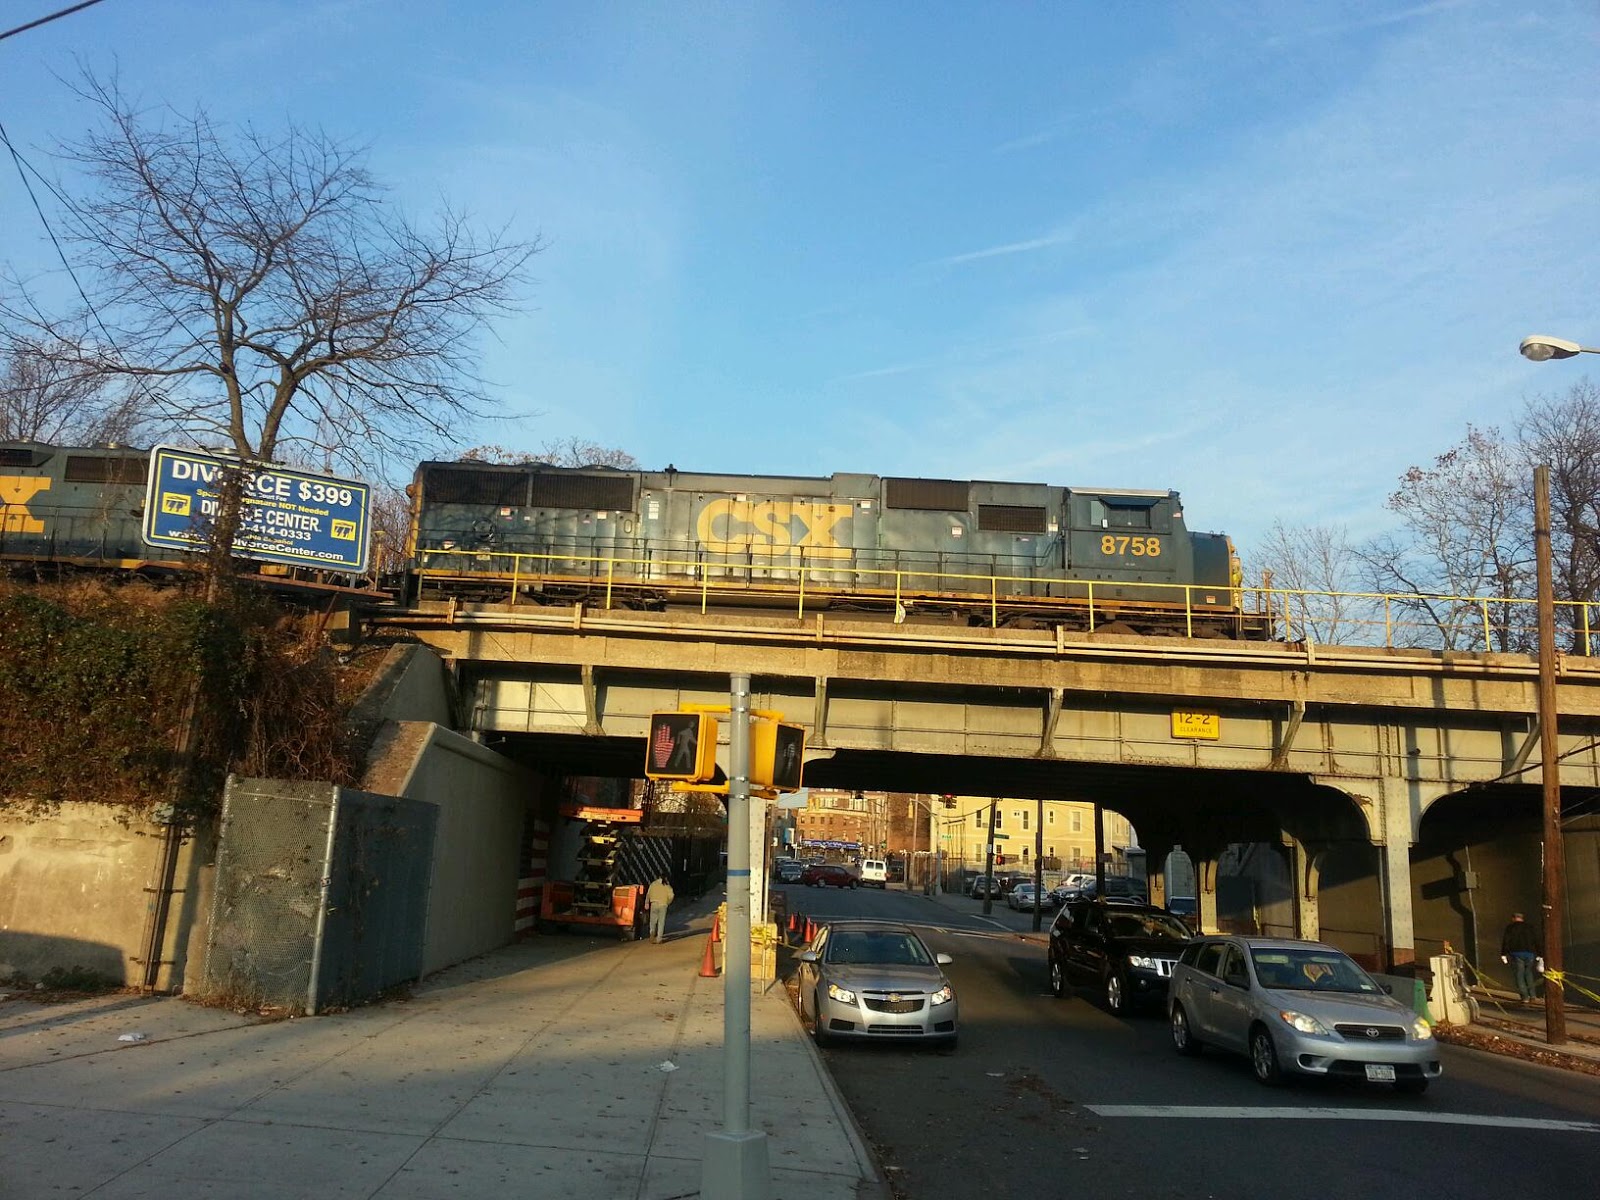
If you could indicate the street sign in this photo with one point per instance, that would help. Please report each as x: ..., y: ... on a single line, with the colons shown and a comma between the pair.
x: 291, y: 517
x: 1203, y: 725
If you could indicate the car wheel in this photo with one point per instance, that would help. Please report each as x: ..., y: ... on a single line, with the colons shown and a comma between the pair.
x: 1183, y: 1037
x: 1058, y: 978
x: 1264, y: 1058
x: 1116, y: 992
x: 1411, y: 1087
x: 818, y: 1033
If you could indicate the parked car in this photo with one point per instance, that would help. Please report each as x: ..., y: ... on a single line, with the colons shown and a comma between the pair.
x: 1127, y: 951
x: 789, y: 870
x: 829, y: 875
x: 982, y: 885
x: 1118, y: 887
x: 1021, y: 898
x: 1186, y: 907
x: 862, y: 979
x: 874, y: 873
x: 1297, y: 1007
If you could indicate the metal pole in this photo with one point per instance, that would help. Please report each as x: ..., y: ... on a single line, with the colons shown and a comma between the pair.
x: 988, y: 866
x: 1038, y: 865
x: 933, y: 848
x: 1555, y: 1017
x: 1099, y: 852
x: 735, y: 1166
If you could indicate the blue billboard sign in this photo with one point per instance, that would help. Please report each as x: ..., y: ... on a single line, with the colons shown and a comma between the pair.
x: 292, y: 517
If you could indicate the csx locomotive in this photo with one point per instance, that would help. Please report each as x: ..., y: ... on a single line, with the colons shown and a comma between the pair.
x: 983, y: 553
x: 905, y: 549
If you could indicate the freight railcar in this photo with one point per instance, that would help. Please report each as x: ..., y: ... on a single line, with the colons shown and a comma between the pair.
x: 976, y: 552
x: 68, y: 508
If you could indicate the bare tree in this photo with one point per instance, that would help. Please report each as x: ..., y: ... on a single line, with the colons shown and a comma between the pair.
x: 563, y: 452
x: 1467, y: 545
x: 266, y: 294
x: 1563, y: 433
x: 44, y: 399
x: 1315, y: 575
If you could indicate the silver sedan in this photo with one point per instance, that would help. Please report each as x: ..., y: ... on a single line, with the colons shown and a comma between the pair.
x: 862, y: 979
x: 1297, y: 1007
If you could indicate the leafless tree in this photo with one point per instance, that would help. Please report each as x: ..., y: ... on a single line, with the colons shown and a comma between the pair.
x: 43, y: 399
x: 267, y: 295
x: 563, y: 452
x: 1466, y: 545
x: 1315, y: 575
x: 1563, y: 433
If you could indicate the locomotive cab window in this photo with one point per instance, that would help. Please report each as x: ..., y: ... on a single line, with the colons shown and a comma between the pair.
x: 1122, y: 516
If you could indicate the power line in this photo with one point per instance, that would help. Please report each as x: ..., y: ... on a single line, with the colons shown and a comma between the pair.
x: 55, y: 16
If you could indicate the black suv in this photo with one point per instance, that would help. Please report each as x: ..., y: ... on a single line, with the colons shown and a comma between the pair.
x: 1124, y: 950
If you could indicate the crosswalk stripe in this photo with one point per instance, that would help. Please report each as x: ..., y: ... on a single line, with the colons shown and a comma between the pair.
x: 1247, y: 1113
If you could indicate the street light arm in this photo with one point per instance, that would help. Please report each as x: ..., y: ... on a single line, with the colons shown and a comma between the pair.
x: 1539, y: 347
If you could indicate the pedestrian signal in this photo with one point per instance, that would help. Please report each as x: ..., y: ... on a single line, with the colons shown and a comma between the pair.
x: 682, y: 746
x: 777, y: 755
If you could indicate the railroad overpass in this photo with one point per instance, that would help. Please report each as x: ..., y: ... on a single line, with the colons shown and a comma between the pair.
x: 1402, y: 784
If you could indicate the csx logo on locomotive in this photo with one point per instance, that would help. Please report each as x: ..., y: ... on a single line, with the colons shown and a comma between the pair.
x: 731, y: 525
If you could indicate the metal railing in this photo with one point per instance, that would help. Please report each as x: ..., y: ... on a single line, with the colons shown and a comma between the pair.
x: 1435, y: 621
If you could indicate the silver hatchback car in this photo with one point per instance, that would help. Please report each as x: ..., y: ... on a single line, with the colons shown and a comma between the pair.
x: 1297, y: 1007
x: 861, y: 979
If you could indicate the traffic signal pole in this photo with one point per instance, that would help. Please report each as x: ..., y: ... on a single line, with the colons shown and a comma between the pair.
x: 735, y: 1166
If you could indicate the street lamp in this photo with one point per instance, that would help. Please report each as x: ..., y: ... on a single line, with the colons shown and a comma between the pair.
x: 1537, y: 347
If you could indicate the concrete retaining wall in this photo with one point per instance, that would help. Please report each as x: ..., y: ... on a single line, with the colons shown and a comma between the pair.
x: 72, y: 894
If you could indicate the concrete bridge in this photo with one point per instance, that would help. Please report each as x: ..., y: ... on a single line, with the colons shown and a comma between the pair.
x: 1402, y: 788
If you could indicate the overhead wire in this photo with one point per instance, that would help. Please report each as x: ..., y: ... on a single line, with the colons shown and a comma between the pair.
x: 55, y: 16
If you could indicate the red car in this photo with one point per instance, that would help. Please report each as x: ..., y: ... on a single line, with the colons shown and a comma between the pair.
x: 828, y: 875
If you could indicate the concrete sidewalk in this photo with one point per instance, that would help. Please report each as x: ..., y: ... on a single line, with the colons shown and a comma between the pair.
x: 562, y: 1066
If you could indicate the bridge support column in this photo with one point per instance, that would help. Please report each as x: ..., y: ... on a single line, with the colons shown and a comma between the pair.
x: 1305, y: 865
x: 1401, y: 812
x: 1205, y: 885
x: 1156, y: 873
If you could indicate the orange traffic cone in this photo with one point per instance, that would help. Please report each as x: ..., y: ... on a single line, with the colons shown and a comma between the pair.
x: 716, y: 927
x: 708, y: 962
x: 811, y: 929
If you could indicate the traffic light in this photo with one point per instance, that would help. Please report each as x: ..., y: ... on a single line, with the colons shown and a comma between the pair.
x: 777, y: 755
x: 682, y: 746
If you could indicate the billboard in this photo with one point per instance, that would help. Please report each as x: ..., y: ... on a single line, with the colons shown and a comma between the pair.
x: 292, y: 517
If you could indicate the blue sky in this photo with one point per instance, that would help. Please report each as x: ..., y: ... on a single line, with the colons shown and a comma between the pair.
x: 1266, y: 253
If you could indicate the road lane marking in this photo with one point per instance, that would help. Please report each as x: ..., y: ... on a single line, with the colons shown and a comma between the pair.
x: 1245, y: 1113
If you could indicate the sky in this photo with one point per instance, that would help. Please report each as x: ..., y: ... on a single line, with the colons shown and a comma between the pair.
x: 1265, y: 253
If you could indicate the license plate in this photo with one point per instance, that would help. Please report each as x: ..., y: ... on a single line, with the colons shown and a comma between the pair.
x: 1380, y: 1073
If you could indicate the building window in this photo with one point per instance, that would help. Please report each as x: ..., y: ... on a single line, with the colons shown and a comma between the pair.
x: 1050, y: 817
x: 999, y: 819
x: 977, y: 819
x: 1024, y: 854
x: 1077, y: 821
x: 1050, y: 850
x: 1024, y: 820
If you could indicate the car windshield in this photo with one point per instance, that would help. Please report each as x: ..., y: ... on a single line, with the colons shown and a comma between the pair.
x: 1310, y: 970
x: 1148, y: 925
x: 877, y: 948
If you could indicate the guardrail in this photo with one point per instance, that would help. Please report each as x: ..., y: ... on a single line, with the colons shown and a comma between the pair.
x: 1435, y: 621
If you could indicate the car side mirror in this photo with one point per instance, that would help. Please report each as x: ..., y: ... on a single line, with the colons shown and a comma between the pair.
x: 1388, y: 988
x: 943, y: 959
x: 808, y: 956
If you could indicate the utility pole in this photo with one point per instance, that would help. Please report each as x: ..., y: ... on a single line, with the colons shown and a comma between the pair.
x: 988, y: 866
x: 1555, y: 864
x: 1038, y: 865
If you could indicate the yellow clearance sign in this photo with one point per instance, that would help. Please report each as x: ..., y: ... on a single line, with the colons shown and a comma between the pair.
x: 730, y: 526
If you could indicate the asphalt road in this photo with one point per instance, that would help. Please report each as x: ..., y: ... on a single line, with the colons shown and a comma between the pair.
x: 1048, y: 1097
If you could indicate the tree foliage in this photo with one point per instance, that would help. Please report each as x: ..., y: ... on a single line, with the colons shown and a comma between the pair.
x: 44, y: 398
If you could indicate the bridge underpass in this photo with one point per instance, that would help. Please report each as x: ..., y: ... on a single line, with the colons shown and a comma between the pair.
x: 1398, y: 791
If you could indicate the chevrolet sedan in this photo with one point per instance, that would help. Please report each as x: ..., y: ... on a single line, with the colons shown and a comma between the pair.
x: 860, y: 979
x: 1297, y: 1008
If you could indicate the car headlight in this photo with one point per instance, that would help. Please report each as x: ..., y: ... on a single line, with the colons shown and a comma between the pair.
x: 943, y: 996
x: 1142, y: 960
x: 1421, y: 1030
x: 1302, y: 1022
x: 842, y: 995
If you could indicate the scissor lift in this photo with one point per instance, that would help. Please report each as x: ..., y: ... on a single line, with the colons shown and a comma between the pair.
x: 593, y: 898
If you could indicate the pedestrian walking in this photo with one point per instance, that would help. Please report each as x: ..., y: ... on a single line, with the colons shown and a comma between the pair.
x: 1520, y: 946
x: 657, y: 898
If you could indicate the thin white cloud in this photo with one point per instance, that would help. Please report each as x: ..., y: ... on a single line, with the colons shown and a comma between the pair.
x: 1027, y: 247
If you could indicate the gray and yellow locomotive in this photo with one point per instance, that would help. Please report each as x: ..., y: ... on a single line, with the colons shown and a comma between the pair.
x: 977, y: 552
